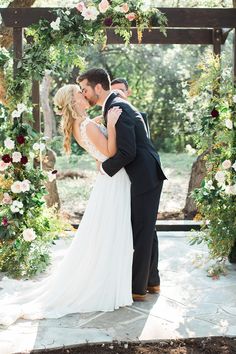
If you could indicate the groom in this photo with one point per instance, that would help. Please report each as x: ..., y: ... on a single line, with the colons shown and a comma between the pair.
x: 137, y: 155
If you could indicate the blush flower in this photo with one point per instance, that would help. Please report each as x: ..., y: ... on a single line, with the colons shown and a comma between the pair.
x: 131, y: 16
x: 80, y: 6
x: 226, y: 164
x: 16, y: 187
x: 3, y: 165
x: 25, y: 185
x: 9, y: 144
x: 6, y: 199
x: 124, y: 8
x: 16, y: 156
x: 103, y: 6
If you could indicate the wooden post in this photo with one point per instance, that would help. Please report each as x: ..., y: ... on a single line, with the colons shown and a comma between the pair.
x: 217, y: 38
x: 234, y: 56
x: 36, y: 106
x: 17, y: 48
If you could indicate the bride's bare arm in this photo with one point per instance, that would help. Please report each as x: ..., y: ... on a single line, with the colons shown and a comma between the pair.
x: 107, y: 146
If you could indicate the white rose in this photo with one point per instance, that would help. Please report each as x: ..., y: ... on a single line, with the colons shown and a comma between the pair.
x: 29, y: 235
x: 226, y: 164
x: 220, y: 176
x: 16, y: 187
x: 234, y: 98
x: 32, y: 155
x: 15, y: 114
x: 91, y: 13
x: 21, y: 107
x: 229, y: 123
x: 209, y: 185
x: 14, y: 209
x: 230, y: 190
x: 16, y: 156
x: 9, y: 144
x: 41, y: 146
x: 25, y: 185
x: 190, y: 150
x: 16, y: 206
x: 55, y: 25
x: 233, y: 189
x: 36, y: 146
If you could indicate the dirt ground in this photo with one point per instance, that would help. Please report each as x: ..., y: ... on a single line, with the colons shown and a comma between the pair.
x: 209, y: 345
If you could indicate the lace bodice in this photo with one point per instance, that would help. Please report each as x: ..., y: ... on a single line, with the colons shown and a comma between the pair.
x: 88, y: 145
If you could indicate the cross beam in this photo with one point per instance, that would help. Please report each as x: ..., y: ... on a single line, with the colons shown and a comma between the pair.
x: 177, y: 17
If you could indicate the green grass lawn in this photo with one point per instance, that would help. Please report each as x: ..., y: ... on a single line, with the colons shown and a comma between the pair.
x: 74, y: 193
x: 182, y: 163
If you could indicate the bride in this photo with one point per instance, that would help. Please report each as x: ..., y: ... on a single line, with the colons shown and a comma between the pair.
x: 95, y: 273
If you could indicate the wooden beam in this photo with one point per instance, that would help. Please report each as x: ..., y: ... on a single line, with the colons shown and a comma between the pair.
x: 177, y: 17
x: 174, y: 36
x: 17, y: 48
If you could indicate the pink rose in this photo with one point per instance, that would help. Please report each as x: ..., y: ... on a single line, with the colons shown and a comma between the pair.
x: 124, y: 8
x: 131, y: 16
x: 103, y: 6
x: 3, y: 165
x: 81, y: 6
x: 6, y: 199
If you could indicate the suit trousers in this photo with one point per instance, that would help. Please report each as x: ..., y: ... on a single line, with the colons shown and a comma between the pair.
x: 144, y: 209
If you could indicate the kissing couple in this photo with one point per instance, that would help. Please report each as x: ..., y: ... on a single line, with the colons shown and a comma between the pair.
x: 113, y: 258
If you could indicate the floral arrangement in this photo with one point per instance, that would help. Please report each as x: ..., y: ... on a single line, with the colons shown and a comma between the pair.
x: 216, y: 199
x: 76, y: 27
x: 27, y: 227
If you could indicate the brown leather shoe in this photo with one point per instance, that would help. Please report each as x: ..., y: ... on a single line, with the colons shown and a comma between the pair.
x: 154, y: 289
x: 139, y: 297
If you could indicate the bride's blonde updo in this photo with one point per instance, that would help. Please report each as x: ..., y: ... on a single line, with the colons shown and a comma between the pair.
x: 64, y: 102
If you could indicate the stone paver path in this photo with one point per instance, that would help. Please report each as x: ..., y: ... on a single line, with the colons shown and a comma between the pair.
x: 190, y: 305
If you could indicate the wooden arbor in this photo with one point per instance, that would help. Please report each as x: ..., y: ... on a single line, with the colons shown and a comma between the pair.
x: 185, y: 26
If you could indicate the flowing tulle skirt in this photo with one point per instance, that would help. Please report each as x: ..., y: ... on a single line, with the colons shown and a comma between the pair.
x: 95, y: 273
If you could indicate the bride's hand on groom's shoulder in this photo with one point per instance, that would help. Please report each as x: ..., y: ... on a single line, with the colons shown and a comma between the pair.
x: 98, y: 119
x: 113, y: 116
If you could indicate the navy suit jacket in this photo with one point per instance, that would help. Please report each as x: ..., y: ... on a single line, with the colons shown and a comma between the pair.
x: 135, y: 151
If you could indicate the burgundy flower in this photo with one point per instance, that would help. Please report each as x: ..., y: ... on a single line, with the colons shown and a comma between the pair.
x: 54, y: 172
x: 24, y: 160
x: 108, y: 22
x: 5, y: 221
x: 6, y: 158
x: 214, y: 113
x: 20, y: 139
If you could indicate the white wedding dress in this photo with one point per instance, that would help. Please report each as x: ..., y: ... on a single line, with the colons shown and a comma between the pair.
x: 96, y: 271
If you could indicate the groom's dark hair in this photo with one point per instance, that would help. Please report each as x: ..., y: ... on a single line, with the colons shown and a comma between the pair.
x: 96, y: 76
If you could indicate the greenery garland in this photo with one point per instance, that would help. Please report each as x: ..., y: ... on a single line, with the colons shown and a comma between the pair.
x: 216, y: 199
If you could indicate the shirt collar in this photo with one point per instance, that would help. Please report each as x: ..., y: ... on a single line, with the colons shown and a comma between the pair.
x: 104, y: 103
